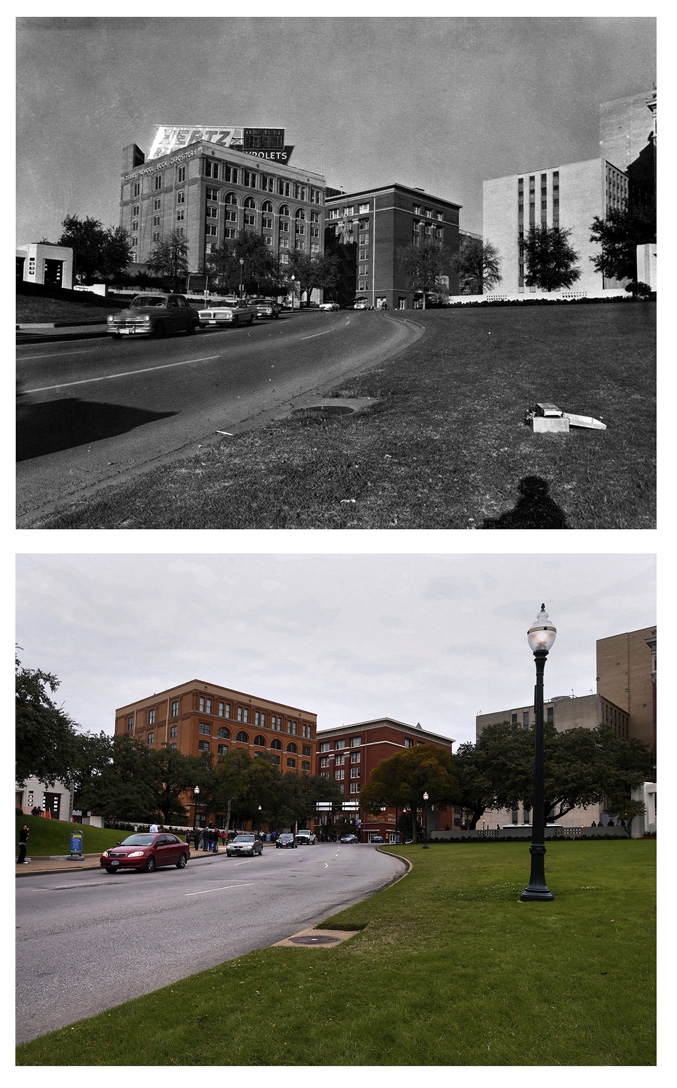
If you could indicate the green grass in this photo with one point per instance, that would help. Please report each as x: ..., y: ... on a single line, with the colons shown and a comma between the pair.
x: 35, y: 309
x: 49, y: 837
x: 449, y: 969
x: 445, y: 444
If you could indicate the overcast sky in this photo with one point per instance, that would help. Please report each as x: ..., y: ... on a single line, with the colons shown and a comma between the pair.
x: 438, y: 103
x: 433, y: 639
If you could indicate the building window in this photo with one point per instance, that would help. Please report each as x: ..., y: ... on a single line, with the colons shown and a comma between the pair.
x: 173, y: 730
x: 339, y: 761
x: 306, y: 750
x: 291, y: 747
x: 205, y: 728
x: 222, y: 750
x: 211, y: 213
x: 150, y: 738
x: 339, y: 776
x: 324, y: 761
x: 260, y: 741
x: 174, y: 708
x: 211, y: 170
x: 356, y: 757
x: 551, y: 713
x: 513, y: 719
x: 151, y: 717
x: 525, y: 719
x: 354, y: 787
x: 325, y: 746
x: 355, y: 742
x: 203, y: 746
x: 211, y: 230
x: 246, y: 714
x: 239, y: 713
x: 305, y: 765
x: 181, y: 197
x: 157, y: 181
x: 227, y: 710
x: 136, y: 188
x: 223, y: 733
x: 250, y: 179
x: 276, y: 744
x: 291, y: 762
x: 242, y: 737
x: 354, y: 772
x: 180, y: 175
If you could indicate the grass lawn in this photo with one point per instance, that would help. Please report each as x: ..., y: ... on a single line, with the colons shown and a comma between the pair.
x: 449, y: 969
x: 49, y: 837
x: 445, y: 447
x: 36, y: 310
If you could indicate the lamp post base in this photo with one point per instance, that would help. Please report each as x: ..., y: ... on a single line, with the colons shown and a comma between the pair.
x: 537, y: 890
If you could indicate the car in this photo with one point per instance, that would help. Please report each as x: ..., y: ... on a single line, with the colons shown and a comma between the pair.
x: 329, y: 306
x: 305, y: 838
x: 350, y: 838
x: 153, y: 314
x: 284, y: 841
x: 237, y: 312
x: 147, y: 851
x: 362, y: 304
x: 308, y: 306
x: 245, y: 845
x: 377, y: 838
x: 266, y: 307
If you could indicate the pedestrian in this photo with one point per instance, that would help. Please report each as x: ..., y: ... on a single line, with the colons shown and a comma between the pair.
x: 153, y: 829
x: 205, y: 839
x: 23, y: 843
x: 196, y: 837
x: 212, y: 839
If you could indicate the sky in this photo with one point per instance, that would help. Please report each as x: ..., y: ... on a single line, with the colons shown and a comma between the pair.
x: 436, y: 103
x: 422, y: 638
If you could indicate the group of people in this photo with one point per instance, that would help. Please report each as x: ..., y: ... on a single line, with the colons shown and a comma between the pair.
x: 209, y: 837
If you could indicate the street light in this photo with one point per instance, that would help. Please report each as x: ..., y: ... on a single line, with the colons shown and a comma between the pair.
x: 196, y: 792
x: 541, y: 636
x: 292, y: 278
x: 259, y: 819
x: 241, y: 277
x: 425, y: 833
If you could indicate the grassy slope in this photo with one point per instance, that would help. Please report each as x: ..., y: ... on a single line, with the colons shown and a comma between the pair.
x: 449, y: 969
x: 446, y: 443
x: 53, y: 836
x: 33, y: 310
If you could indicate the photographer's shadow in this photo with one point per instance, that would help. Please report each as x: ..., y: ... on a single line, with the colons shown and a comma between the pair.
x: 533, y: 510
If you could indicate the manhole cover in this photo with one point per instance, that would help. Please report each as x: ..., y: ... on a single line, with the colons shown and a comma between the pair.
x: 319, y: 410
x: 313, y: 940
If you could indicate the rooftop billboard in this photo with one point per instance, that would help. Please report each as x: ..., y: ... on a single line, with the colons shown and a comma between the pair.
x: 264, y: 143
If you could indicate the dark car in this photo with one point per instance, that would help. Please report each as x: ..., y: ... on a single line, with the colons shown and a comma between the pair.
x: 377, y: 838
x: 284, y: 841
x: 266, y: 307
x: 246, y: 845
x: 147, y: 851
x: 350, y: 838
x: 156, y: 314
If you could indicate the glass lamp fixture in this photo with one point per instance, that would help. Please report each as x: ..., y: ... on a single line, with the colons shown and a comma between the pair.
x: 542, y: 633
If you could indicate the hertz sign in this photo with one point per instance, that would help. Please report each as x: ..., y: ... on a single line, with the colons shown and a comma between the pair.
x: 263, y: 143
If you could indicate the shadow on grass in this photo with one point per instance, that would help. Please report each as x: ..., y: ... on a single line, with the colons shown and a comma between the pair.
x: 534, y: 509
x: 63, y: 424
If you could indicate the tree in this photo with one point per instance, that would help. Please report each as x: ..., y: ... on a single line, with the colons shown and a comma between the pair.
x: 402, y: 779
x: 618, y: 235
x: 477, y: 265
x: 122, y: 787
x: 423, y: 266
x: 169, y: 256
x: 259, y: 272
x: 550, y: 259
x: 313, y: 270
x: 99, y: 253
x: 46, y: 739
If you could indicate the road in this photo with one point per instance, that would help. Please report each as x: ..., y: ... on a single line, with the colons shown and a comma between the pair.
x: 95, y: 411
x: 87, y: 941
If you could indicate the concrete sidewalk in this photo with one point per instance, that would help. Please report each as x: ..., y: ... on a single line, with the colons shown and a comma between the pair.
x: 33, y: 334
x: 64, y: 863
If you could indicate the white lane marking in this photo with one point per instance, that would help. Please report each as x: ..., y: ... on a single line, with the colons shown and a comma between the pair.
x: 125, y: 374
x: 52, y: 355
x: 225, y: 888
x: 312, y: 336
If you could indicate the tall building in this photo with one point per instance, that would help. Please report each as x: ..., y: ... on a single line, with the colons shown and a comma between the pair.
x: 626, y: 674
x: 371, y: 227
x: 567, y: 196
x: 197, y: 717
x: 210, y: 191
x: 349, y: 754
x: 628, y: 137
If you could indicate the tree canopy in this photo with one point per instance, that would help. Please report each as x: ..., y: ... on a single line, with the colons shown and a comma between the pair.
x: 46, y: 737
x: 313, y: 270
x: 169, y: 257
x: 477, y: 265
x: 423, y: 267
x: 259, y: 273
x: 550, y: 260
x: 401, y: 780
x: 99, y: 253
x: 618, y: 235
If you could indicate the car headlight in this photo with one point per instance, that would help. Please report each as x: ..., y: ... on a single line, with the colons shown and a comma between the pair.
x: 136, y: 854
x: 105, y: 854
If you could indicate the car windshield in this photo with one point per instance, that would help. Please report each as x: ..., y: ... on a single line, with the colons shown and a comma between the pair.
x: 243, y: 838
x: 138, y: 840
x: 148, y: 300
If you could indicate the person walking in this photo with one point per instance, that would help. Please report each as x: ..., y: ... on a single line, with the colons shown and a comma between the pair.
x: 196, y: 837
x: 23, y: 845
x: 205, y: 839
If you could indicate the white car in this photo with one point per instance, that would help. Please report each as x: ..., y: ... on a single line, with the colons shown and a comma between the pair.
x: 329, y: 306
x: 237, y: 312
x: 305, y: 838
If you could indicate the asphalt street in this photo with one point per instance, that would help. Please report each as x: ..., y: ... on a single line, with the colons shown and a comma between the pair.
x: 87, y: 941
x: 96, y: 410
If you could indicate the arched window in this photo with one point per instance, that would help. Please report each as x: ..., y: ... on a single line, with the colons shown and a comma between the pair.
x: 249, y: 202
x: 243, y: 737
x: 284, y: 209
x: 292, y: 747
x: 276, y: 744
x: 230, y: 199
x: 260, y: 741
x: 266, y: 206
x: 223, y: 732
x: 300, y: 214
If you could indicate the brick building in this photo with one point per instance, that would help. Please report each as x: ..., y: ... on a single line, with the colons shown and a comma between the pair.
x: 197, y: 717
x: 369, y: 227
x: 349, y: 754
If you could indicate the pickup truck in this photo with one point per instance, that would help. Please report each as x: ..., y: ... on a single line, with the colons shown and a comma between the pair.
x: 305, y: 838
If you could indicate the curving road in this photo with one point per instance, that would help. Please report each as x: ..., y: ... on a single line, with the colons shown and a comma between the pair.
x: 87, y: 941
x: 93, y: 411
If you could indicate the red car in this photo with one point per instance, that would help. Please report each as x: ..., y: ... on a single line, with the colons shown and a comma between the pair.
x: 147, y: 851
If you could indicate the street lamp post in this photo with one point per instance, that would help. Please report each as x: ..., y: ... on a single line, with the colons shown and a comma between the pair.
x: 259, y: 827
x: 541, y: 636
x: 292, y: 278
x: 241, y: 277
x: 425, y: 826
x: 196, y: 794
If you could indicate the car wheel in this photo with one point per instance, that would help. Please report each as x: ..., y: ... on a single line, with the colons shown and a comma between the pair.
x: 181, y: 863
x: 150, y: 866
x: 116, y: 336
x: 251, y: 320
x: 112, y: 871
x: 159, y: 331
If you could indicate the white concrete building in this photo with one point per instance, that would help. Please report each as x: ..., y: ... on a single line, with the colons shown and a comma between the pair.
x: 42, y: 262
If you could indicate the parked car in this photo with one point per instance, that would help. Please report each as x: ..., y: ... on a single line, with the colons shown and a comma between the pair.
x: 147, y: 851
x: 226, y: 314
x: 266, y: 307
x: 377, y: 838
x: 362, y: 304
x: 350, y: 838
x: 308, y: 306
x: 153, y: 314
x: 284, y: 841
x: 246, y: 845
x: 329, y: 306
x: 305, y: 838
